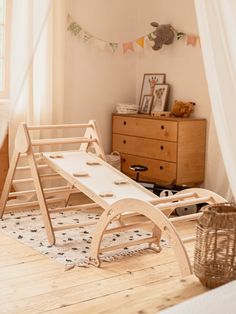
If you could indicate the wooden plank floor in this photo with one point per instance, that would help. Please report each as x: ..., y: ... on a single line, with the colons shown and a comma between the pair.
x: 33, y: 283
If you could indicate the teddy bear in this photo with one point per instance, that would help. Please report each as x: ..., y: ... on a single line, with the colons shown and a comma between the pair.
x: 163, y: 35
x: 182, y: 109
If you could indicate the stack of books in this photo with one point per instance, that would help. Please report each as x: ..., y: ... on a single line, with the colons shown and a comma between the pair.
x: 126, y: 108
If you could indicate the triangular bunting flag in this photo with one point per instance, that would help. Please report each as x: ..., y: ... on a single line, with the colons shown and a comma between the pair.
x: 86, y: 36
x: 113, y: 46
x: 69, y: 19
x: 140, y: 41
x: 149, y: 41
x: 191, y: 40
x: 128, y: 46
x: 100, y: 43
x: 180, y: 35
x: 151, y: 36
x: 74, y: 28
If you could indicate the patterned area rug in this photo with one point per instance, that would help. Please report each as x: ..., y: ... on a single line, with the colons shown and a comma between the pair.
x: 72, y: 246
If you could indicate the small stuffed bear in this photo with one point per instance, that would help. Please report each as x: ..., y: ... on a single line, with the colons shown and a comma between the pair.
x: 163, y: 35
x: 182, y: 109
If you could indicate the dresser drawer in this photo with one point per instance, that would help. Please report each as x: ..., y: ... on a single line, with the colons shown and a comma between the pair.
x: 145, y: 147
x: 144, y: 127
x: 157, y: 170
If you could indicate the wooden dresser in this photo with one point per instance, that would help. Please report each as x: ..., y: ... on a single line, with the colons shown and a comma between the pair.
x: 173, y: 149
x: 3, y: 163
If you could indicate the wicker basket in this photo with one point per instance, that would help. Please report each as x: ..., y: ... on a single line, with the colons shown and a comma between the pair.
x: 215, y: 248
x: 114, y: 160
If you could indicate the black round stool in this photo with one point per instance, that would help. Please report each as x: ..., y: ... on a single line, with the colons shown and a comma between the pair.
x: 138, y: 169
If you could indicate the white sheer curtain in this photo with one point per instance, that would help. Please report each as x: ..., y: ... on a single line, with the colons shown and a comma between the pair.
x: 217, y: 25
x: 37, y: 64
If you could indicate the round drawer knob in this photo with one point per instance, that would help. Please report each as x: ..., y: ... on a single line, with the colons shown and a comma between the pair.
x: 124, y: 141
x: 162, y: 147
x: 123, y: 159
x: 161, y: 167
x: 124, y: 122
x: 162, y: 127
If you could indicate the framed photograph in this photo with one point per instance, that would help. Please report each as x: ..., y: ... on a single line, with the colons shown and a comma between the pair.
x: 160, y: 94
x: 146, y: 104
x: 149, y: 81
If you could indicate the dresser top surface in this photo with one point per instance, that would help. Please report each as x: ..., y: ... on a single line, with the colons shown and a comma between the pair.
x: 146, y: 116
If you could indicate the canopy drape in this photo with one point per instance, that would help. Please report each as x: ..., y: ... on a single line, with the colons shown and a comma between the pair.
x: 36, y: 65
x: 217, y: 24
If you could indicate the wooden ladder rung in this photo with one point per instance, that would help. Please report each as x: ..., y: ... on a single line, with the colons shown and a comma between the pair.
x: 185, y: 218
x: 75, y: 207
x: 42, y: 177
x: 184, y: 203
x: 73, y: 226
x: 33, y: 204
x: 129, y: 215
x: 28, y: 168
x: 56, y: 141
x: 56, y: 190
x: 188, y: 239
x: 58, y: 126
x: 36, y: 155
x: 128, y: 227
x: 127, y: 244
x: 172, y: 198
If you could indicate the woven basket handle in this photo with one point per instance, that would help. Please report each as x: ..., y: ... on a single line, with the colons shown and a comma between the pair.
x: 115, y: 153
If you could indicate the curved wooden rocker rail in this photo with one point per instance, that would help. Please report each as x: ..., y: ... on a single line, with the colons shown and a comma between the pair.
x: 158, y: 215
x: 161, y: 222
x: 187, y: 197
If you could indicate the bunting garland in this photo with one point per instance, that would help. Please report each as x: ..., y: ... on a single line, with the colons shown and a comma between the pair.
x: 86, y: 36
x: 131, y: 46
x: 74, y: 28
x: 192, y: 40
x: 140, y: 42
x: 113, y: 46
x: 128, y: 46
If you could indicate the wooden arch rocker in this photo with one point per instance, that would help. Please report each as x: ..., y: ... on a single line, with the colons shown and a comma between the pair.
x: 109, y: 189
x: 157, y: 212
x: 160, y: 221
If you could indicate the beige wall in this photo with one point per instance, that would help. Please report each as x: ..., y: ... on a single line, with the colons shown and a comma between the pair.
x: 96, y: 80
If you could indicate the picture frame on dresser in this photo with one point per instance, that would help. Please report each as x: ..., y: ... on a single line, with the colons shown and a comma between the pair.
x: 146, y: 104
x: 160, y: 94
x: 149, y: 81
